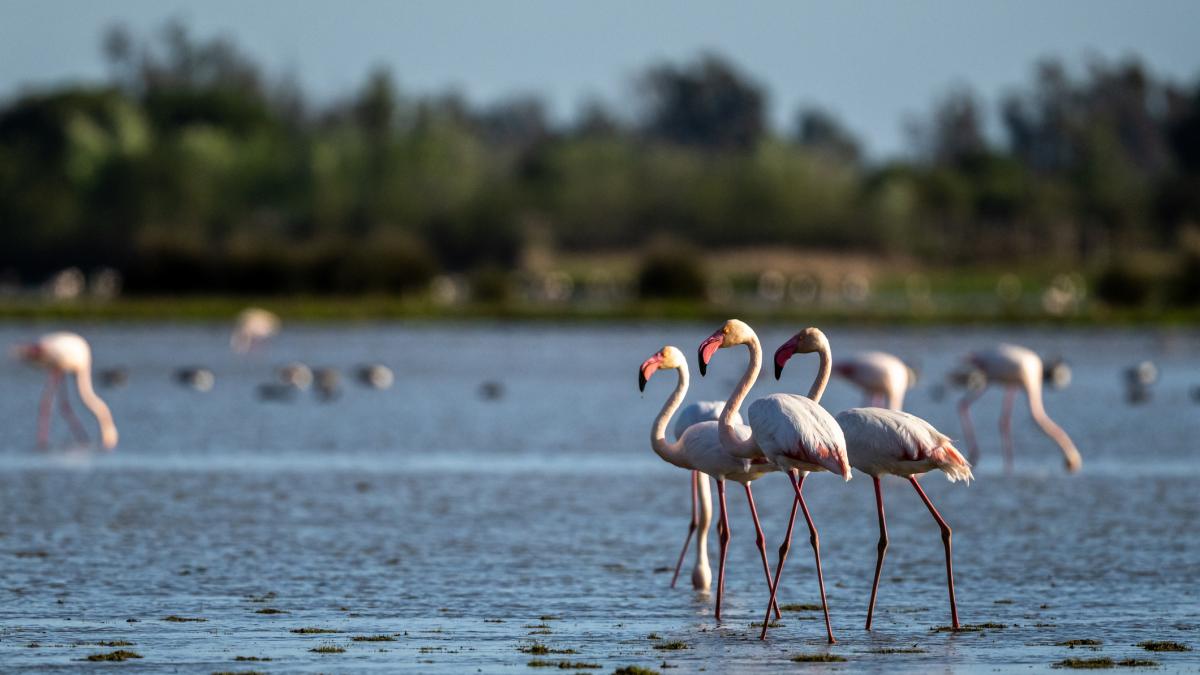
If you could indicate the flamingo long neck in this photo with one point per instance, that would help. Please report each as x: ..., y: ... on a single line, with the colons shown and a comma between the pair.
x: 730, y: 441
x: 670, y: 452
x: 822, y: 379
x: 108, y: 430
x: 1033, y: 391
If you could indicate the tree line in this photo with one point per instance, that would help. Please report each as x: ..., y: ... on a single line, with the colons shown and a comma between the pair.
x: 192, y: 170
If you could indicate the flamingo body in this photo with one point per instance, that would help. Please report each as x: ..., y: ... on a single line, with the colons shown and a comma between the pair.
x: 794, y: 432
x: 892, y: 442
x: 62, y: 354
x: 880, y: 375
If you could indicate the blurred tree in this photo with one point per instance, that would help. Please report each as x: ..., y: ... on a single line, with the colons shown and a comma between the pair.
x: 819, y: 131
x: 707, y: 103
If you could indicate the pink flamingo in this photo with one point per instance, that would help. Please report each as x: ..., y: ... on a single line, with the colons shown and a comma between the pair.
x: 793, y: 432
x: 883, y: 378
x: 892, y: 442
x: 1014, y: 367
x: 699, y: 449
x: 62, y: 354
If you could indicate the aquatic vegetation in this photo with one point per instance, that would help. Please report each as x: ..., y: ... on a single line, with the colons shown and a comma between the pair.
x: 174, y: 618
x: 269, y: 610
x: 897, y: 650
x: 773, y: 624
x: 635, y: 670
x: 549, y: 617
x: 239, y: 672
x: 672, y: 645
x: 818, y: 658
x: 313, y: 631
x: 119, y: 655
x: 251, y: 658
x: 654, y: 636
x: 1085, y: 664
x: 562, y: 665
x: 114, y: 643
x: 328, y: 649
x: 969, y: 628
x: 539, y: 649
x: 1085, y: 642
x: 800, y: 607
x: 1137, y: 663
x: 1003, y: 601
x: 373, y: 638
x: 1163, y: 646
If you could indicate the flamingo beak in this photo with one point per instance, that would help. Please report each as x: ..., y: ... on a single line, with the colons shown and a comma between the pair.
x: 785, y: 352
x: 648, y: 367
x: 709, y: 347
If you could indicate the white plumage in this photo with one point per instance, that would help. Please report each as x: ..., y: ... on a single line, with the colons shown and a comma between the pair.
x: 878, y: 374
x: 883, y: 441
x: 794, y: 432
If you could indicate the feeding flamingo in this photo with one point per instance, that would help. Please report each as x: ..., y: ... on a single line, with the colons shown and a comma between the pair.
x: 892, y: 442
x: 253, y: 327
x: 1014, y: 367
x: 883, y: 378
x: 67, y: 354
x: 793, y: 432
x: 699, y: 449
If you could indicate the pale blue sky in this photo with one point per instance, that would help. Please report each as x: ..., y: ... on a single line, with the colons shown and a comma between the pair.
x: 869, y: 62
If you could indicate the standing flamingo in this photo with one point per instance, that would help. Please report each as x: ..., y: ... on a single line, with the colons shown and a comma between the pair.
x: 67, y: 354
x: 253, y: 327
x: 699, y: 449
x: 883, y: 378
x: 793, y: 432
x: 1014, y: 367
x: 891, y: 442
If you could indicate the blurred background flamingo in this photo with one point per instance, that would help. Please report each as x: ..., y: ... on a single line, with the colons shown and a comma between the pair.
x: 65, y: 354
x: 882, y: 377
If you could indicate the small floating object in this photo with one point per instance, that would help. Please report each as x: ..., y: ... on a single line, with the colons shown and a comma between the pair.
x: 276, y: 392
x: 491, y: 390
x: 375, y: 376
x: 199, y: 379
x: 1056, y: 372
x: 114, y: 377
x: 296, y: 375
x: 1144, y: 374
x: 329, y: 383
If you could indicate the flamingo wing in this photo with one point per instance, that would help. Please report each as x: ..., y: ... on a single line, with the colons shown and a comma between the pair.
x: 877, y: 437
x: 796, y: 428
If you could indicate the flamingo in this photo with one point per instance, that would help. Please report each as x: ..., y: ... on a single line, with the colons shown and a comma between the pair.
x: 253, y: 327
x: 1014, y: 367
x: 882, y: 377
x: 699, y: 449
x: 700, y: 411
x: 67, y: 354
x: 793, y: 432
x: 883, y: 442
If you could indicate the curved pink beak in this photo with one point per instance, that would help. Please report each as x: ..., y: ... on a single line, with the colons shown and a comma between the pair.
x: 785, y: 352
x: 707, y: 348
x: 648, y: 367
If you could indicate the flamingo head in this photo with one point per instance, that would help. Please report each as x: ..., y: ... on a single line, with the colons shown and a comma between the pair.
x: 806, y: 341
x: 668, y: 357
x: 731, y: 334
x: 31, y: 352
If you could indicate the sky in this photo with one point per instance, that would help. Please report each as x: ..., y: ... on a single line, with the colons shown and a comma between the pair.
x: 873, y: 64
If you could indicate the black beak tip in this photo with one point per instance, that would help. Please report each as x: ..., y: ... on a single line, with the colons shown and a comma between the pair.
x: 778, y: 370
x: 641, y: 381
x: 703, y: 368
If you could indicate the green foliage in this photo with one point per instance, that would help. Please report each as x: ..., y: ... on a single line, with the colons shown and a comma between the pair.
x: 672, y: 272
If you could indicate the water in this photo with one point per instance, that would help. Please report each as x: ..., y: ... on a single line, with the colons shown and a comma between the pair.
x: 467, y: 529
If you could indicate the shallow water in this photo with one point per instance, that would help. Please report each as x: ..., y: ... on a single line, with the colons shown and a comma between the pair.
x: 467, y: 529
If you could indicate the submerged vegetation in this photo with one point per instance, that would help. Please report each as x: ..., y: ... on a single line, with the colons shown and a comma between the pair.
x: 118, y: 655
x: 817, y: 658
x: 1163, y: 646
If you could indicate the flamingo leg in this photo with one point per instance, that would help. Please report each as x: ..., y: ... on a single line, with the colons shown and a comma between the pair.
x: 946, y: 541
x: 64, y: 406
x: 691, y: 529
x: 761, y: 541
x: 882, y: 548
x: 725, y: 536
x: 964, y: 413
x: 1010, y: 394
x: 43, y: 436
x: 798, y: 486
x: 783, y: 551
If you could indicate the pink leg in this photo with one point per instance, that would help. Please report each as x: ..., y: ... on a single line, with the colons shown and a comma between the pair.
x: 964, y: 413
x: 725, y: 536
x: 1010, y: 394
x: 43, y: 437
x: 761, y: 541
x: 882, y: 548
x: 798, y: 485
x: 783, y: 551
x: 64, y: 406
x: 945, y: 540
x: 691, y: 528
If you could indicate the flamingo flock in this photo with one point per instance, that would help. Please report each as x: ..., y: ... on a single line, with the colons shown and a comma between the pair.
x: 794, y: 434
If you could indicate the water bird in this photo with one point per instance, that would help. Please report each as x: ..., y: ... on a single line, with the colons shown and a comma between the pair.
x: 793, y: 432
x: 1057, y: 373
x: 253, y: 327
x: 882, y: 377
x: 491, y: 390
x: 375, y: 376
x: 329, y: 383
x: 695, y: 413
x: 63, y: 354
x: 197, y: 378
x: 881, y: 442
x: 1015, y: 368
x: 296, y: 374
x: 113, y: 378
x: 699, y: 449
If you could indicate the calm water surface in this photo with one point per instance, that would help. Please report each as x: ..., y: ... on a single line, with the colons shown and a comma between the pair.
x: 467, y: 529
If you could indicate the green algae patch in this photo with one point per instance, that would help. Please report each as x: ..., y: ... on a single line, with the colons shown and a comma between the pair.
x: 672, y: 645
x: 800, y: 607
x: 1084, y: 642
x: 373, y: 638
x: 1163, y: 646
x: 897, y: 650
x: 175, y: 618
x: 1085, y: 664
x: 119, y: 655
x: 328, y: 649
x: 251, y: 658
x: 635, y: 670
x: 114, y: 643
x: 818, y: 658
x: 539, y: 649
x: 269, y: 610
x: 969, y: 628
x: 562, y: 665
x: 313, y: 631
x: 773, y: 624
x: 1137, y: 663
